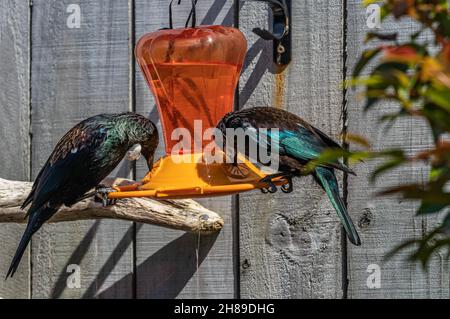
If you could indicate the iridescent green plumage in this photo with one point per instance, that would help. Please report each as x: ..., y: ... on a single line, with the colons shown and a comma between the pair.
x: 82, y: 158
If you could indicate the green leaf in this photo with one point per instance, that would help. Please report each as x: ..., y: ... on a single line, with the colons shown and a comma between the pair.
x: 444, y: 25
x: 426, y: 246
x: 386, y: 167
x: 329, y: 155
x: 356, y: 139
x: 415, y: 35
x: 370, y: 102
x: 430, y: 208
x: 401, y: 247
x: 446, y: 223
x: 384, y: 12
x: 381, y: 36
x: 424, y: 254
x: 369, y: 2
x: 440, y: 96
x: 391, y: 71
x: 436, y: 173
x: 437, y: 117
x: 392, y: 116
x: 366, y: 57
x: 417, y: 192
x: 392, y: 153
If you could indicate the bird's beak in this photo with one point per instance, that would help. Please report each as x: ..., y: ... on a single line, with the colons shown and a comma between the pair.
x: 134, y: 153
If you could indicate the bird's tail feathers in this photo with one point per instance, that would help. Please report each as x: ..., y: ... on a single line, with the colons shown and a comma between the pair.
x: 35, y: 221
x: 329, y: 183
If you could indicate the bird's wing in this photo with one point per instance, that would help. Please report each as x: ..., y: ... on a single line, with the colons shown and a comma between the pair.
x: 30, y: 196
x: 69, y: 165
x: 74, y: 139
x: 299, y: 143
x: 307, y: 143
x: 325, y: 138
x: 81, y: 136
x: 304, y: 143
x: 281, y: 131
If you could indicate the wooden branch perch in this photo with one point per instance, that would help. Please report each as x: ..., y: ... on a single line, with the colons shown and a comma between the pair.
x: 185, y: 214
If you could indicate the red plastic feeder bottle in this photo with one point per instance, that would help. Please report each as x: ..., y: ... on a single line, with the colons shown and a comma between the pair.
x: 193, y: 73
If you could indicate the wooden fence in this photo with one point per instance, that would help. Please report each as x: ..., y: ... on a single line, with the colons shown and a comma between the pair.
x: 55, y: 72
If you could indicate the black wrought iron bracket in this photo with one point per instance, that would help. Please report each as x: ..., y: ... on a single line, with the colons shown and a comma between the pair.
x: 281, y: 34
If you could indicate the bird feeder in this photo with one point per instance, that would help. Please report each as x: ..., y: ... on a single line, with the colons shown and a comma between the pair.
x: 193, y: 73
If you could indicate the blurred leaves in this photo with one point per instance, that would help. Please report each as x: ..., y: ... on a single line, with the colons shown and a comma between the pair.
x: 381, y: 36
x: 425, y: 247
x: 365, y: 58
x: 416, y: 76
x: 356, y: 139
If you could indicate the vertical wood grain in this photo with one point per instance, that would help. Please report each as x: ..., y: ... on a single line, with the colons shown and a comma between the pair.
x: 290, y: 243
x: 385, y: 222
x: 77, y: 73
x: 14, y: 128
x: 167, y: 260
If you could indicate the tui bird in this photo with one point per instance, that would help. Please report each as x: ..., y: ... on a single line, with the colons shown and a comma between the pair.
x: 82, y: 158
x: 297, y: 143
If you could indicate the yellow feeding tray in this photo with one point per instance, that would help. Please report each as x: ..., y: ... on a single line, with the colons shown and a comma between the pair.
x: 187, y: 176
x: 193, y: 74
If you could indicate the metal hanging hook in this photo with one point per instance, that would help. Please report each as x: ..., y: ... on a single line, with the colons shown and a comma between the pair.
x: 281, y: 34
x: 192, y: 14
x: 280, y: 9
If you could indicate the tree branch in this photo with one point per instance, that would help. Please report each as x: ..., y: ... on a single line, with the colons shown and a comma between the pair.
x: 185, y: 214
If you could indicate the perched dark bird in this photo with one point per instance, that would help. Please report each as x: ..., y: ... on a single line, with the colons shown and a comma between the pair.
x: 82, y: 158
x: 297, y: 143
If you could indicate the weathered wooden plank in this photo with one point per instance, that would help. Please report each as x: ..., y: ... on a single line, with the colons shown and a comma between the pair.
x: 290, y: 243
x: 167, y: 260
x: 76, y: 73
x: 14, y: 128
x: 386, y: 222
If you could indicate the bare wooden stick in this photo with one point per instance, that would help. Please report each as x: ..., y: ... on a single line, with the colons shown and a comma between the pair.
x: 184, y: 214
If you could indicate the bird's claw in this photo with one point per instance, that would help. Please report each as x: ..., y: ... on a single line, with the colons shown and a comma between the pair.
x: 287, y: 188
x: 272, y: 187
x: 102, y: 193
